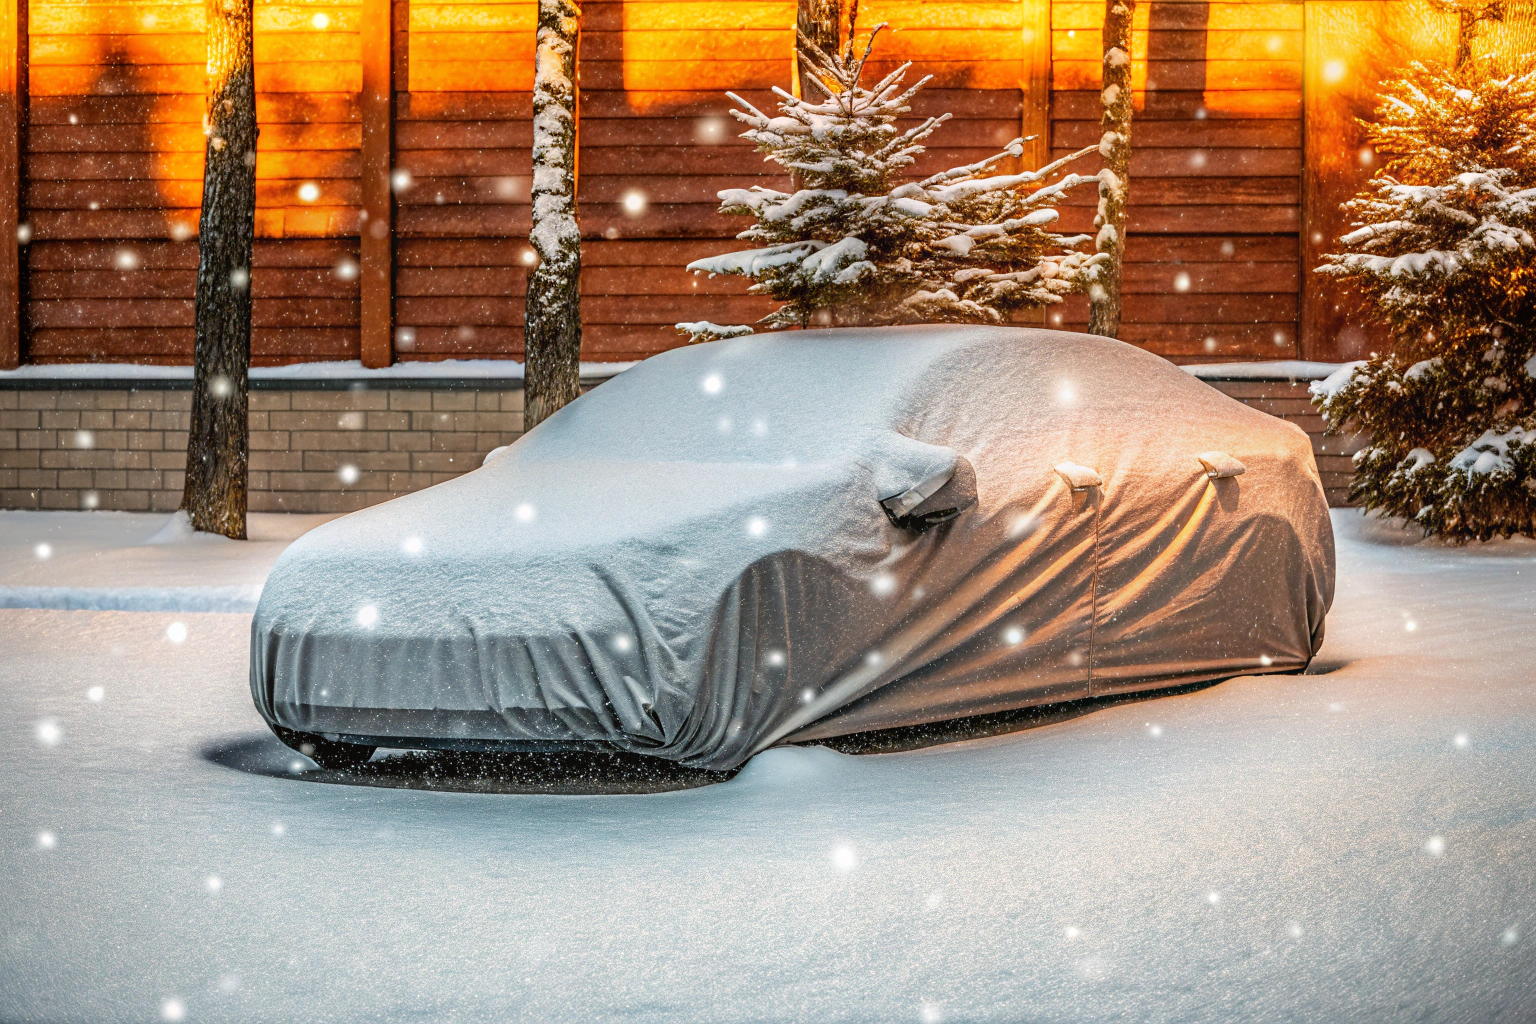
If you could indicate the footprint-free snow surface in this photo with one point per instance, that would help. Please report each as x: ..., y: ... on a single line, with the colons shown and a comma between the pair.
x: 1356, y: 844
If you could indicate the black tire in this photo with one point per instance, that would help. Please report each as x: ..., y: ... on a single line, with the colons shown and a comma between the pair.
x: 326, y: 753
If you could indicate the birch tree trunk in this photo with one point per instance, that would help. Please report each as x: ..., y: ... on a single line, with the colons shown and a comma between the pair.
x: 1114, y: 178
x: 552, y: 323
x: 215, y: 492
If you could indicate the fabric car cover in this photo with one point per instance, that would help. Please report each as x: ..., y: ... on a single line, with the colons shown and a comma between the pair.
x: 701, y: 557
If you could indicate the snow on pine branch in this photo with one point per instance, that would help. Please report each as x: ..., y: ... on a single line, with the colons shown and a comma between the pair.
x: 857, y: 241
x: 1443, y: 252
x: 1465, y: 228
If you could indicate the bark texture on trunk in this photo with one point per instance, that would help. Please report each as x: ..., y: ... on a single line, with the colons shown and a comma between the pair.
x: 552, y: 332
x: 215, y: 493
x: 820, y: 22
x: 1114, y: 178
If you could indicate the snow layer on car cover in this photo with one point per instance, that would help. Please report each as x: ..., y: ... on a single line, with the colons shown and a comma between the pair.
x: 692, y: 560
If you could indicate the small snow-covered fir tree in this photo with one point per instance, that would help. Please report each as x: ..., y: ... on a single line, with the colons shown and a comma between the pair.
x: 857, y: 244
x: 1444, y: 253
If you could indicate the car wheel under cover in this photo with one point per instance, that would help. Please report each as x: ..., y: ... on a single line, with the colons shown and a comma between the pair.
x: 325, y: 753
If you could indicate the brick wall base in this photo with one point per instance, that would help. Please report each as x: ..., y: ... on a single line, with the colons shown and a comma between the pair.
x: 335, y: 449
x: 321, y: 450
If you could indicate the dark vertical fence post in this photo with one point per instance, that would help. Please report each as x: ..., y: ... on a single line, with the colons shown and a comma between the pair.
x: 13, y: 119
x: 1035, y: 84
x: 377, y: 227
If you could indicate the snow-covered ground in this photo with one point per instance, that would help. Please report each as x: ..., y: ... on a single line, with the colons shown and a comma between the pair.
x: 1356, y: 844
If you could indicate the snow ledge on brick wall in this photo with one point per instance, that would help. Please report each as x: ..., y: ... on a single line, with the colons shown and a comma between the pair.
x: 344, y: 370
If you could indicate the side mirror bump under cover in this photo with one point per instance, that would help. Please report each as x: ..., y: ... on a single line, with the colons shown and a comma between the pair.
x: 1220, y: 465
x: 957, y: 495
x: 1079, y: 478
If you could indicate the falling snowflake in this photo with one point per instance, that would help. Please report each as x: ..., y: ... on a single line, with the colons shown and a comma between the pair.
x: 844, y: 858
x: 49, y: 732
x: 176, y: 632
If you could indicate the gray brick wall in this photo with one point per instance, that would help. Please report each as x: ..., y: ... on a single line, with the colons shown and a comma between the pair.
x: 338, y: 450
x: 311, y: 450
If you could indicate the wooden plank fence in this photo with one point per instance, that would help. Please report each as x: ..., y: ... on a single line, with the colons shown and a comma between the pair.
x: 393, y: 164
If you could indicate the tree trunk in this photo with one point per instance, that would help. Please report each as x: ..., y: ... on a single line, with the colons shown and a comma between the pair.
x: 215, y: 492
x: 1115, y: 177
x: 552, y: 331
x: 820, y: 22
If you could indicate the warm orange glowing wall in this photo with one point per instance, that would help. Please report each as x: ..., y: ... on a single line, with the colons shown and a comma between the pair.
x: 463, y: 136
x: 655, y: 130
x: 115, y: 180
x: 1351, y: 46
x: 1215, y: 207
x: 1244, y: 145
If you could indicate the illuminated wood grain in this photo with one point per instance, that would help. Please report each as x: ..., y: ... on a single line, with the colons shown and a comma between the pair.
x: 154, y: 19
x: 1188, y: 45
x: 1351, y: 46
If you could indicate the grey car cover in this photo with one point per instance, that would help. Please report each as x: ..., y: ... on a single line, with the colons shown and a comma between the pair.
x: 801, y: 535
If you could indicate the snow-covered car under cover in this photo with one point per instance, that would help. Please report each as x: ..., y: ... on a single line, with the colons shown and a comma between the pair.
x: 808, y: 534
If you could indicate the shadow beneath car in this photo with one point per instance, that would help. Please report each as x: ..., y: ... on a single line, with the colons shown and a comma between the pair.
x: 558, y: 773
x: 609, y: 773
x: 956, y: 730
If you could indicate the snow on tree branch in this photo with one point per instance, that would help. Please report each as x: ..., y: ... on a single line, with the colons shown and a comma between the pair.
x: 1443, y: 250
x: 858, y: 242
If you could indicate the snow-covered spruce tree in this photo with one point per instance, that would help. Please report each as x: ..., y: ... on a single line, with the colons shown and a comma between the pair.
x: 1115, y: 176
x: 855, y: 244
x: 1444, y: 253
x: 552, y: 309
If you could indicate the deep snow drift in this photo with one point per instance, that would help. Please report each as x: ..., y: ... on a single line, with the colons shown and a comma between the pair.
x: 1355, y: 845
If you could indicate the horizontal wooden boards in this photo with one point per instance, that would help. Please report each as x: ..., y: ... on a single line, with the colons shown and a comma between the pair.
x: 1216, y: 145
x: 115, y: 158
x: 94, y: 299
